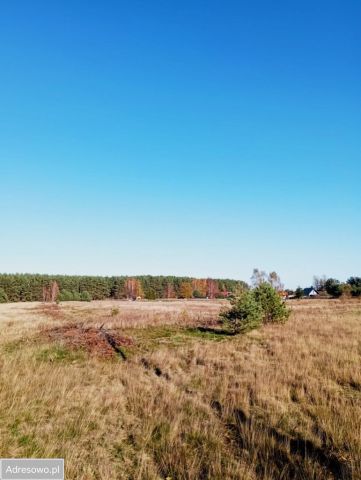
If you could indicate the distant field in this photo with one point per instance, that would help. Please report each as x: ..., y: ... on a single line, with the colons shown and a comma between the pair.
x: 158, y: 390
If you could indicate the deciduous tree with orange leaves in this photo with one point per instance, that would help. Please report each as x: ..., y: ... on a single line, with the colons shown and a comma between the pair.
x: 200, y: 285
x: 186, y: 290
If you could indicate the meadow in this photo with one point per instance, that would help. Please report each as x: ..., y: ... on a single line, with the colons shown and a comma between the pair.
x: 159, y: 390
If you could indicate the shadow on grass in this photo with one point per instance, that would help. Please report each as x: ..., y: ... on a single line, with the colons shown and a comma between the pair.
x: 112, y: 342
x: 286, y: 455
x: 210, y: 332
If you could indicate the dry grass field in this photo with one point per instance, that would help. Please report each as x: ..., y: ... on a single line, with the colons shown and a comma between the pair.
x: 176, y: 397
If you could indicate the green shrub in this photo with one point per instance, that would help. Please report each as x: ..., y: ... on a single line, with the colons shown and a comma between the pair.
x: 346, y: 290
x: 355, y: 283
x: 85, y: 296
x: 76, y: 296
x: 254, y: 307
x: 115, y: 312
x: 333, y: 287
x: 197, y: 294
x: 299, y: 292
x: 3, y: 296
x: 274, y: 308
x: 245, y: 314
x: 65, y: 296
x: 151, y: 295
x: 70, y: 296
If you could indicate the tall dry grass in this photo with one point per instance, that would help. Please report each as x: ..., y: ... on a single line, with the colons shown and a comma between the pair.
x: 281, y: 402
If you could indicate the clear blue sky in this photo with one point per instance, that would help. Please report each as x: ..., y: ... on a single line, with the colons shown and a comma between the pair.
x: 198, y: 138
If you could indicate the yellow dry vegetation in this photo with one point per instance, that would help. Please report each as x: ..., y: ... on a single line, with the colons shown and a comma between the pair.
x: 280, y: 402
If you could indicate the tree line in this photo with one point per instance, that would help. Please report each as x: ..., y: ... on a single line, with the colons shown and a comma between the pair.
x: 334, y: 288
x: 38, y: 287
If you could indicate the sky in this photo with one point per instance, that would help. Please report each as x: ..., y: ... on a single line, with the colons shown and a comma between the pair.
x: 200, y: 138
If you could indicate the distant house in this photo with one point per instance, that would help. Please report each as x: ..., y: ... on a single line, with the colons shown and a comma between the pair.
x: 310, y: 292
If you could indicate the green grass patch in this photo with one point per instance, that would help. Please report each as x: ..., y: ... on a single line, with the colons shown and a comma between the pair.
x: 214, y: 335
x: 61, y: 354
x: 153, y: 338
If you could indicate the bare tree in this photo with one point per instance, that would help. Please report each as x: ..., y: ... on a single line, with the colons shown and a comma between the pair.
x: 212, y: 288
x: 169, y: 291
x: 319, y: 283
x: 133, y: 288
x: 275, y: 280
x: 50, y: 292
x: 258, y: 277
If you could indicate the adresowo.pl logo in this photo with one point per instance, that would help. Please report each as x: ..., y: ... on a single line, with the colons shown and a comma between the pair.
x: 32, y: 469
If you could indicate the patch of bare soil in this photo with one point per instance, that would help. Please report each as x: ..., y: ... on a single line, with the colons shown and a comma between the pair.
x: 96, y: 341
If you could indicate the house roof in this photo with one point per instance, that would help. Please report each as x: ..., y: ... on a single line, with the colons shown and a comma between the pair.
x: 308, y: 291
